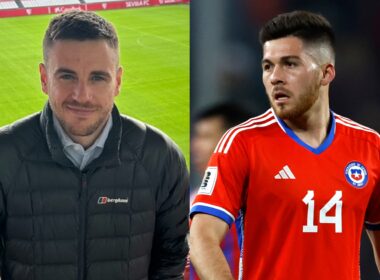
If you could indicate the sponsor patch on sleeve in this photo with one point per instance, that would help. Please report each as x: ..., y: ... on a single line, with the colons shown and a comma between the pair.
x: 209, y: 180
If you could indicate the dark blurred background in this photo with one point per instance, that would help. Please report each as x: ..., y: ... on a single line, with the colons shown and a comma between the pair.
x: 226, y: 55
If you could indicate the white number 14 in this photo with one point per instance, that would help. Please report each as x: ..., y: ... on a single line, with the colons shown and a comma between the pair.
x: 323, y: 218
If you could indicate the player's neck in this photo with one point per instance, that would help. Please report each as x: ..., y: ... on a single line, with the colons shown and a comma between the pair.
x: 312, y: 127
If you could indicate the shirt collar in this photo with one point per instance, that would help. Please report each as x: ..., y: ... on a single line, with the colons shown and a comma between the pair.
x: 324, y: 145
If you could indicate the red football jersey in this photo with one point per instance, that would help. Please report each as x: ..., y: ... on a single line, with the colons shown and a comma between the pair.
x: 303, y: 207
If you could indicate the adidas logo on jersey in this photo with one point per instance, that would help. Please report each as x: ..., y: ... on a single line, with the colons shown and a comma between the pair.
x: 285, y: 173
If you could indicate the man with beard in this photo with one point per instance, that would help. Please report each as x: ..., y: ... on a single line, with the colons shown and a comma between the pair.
x: 304, y: 178
x: 88, y: 193
x: 207, y: 128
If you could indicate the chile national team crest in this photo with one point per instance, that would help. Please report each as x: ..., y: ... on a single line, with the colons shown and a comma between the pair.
x: 356, y: 174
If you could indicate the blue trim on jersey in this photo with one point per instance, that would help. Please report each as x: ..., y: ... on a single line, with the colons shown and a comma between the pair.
x: 372, y: 226
x: 211, y: 211
x: 240, y: 230
x: 326, y: 143
x: 239, y: 222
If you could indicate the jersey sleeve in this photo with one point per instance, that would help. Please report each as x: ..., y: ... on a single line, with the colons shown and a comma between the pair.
x: 372, y: 219
x: 223, y: 184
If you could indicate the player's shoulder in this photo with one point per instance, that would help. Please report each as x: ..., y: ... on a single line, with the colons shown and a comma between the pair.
x: 248, y: 131
x: 355, y: 130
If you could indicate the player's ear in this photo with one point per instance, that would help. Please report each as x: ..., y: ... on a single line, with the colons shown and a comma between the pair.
x: 43, y: 77
x: 328, y: 74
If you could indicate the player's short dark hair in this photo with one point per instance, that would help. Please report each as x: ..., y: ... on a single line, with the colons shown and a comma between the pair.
x: 232, y: 114
x: 79, y: 25
x: 307, y: 26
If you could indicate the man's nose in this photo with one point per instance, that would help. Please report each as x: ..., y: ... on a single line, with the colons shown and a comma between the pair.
x: 82, y: 92
x: 277, y: 75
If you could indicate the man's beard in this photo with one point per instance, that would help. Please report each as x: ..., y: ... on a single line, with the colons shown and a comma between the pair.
x: 82, y: 130
x: 302, y: 105
x: 74, y: 130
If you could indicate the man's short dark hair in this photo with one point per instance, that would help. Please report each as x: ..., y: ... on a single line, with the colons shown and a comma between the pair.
x: 79, y: 25
x: 231, y: 113
x: 307, y: 26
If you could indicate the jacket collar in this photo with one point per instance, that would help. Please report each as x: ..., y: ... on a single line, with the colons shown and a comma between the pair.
x: 111, y: 152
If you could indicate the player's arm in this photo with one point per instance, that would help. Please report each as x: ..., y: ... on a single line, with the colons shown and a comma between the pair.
x: 374, y: 236
x: 206, y: 234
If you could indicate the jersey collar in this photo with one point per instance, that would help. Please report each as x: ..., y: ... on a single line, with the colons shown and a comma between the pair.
x: 325, y: 144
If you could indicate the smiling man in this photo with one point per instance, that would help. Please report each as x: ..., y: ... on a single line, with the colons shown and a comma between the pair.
x: 304, y: 179
x: 81, y: 79
x: 88, y: 193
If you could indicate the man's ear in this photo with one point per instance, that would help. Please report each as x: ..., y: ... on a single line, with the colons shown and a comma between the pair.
x: 119, y: 75
x: 328, y: 72
x: 43, y: 77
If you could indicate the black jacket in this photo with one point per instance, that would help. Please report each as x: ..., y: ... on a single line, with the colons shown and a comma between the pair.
x: 123, y: 217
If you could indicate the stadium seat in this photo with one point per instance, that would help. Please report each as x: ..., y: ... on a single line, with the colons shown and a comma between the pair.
x: 6, y: 5
x: 44, y: 3
x: 99, y: 1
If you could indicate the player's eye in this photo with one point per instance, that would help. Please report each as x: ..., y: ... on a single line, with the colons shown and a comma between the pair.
x: 290, y: 64
x: 266, y: 66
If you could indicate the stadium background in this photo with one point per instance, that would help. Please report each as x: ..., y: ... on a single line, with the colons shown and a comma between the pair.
x: 154, y: 48
x: 226, y: 61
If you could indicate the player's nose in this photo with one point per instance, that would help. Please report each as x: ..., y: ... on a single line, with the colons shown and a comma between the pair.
x: 277, y: 75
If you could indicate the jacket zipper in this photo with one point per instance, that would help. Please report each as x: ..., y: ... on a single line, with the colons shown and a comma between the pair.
x: 82, y: 229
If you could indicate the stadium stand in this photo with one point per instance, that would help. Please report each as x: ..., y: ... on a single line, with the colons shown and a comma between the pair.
x: 99, y: 1
x: 45, y: 3
x: 5, y: 5
x: 18, y: 8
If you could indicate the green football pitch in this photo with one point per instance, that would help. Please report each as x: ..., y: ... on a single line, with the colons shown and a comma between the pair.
x: 154, y: 47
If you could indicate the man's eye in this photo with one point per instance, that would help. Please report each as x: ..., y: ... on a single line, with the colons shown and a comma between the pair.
x: 290, y: 64
x: 67, y: 77
x: 97, y: 78
x: 266, y: 67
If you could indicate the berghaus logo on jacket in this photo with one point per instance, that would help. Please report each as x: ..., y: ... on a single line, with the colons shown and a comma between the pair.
x: 105, y: 200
